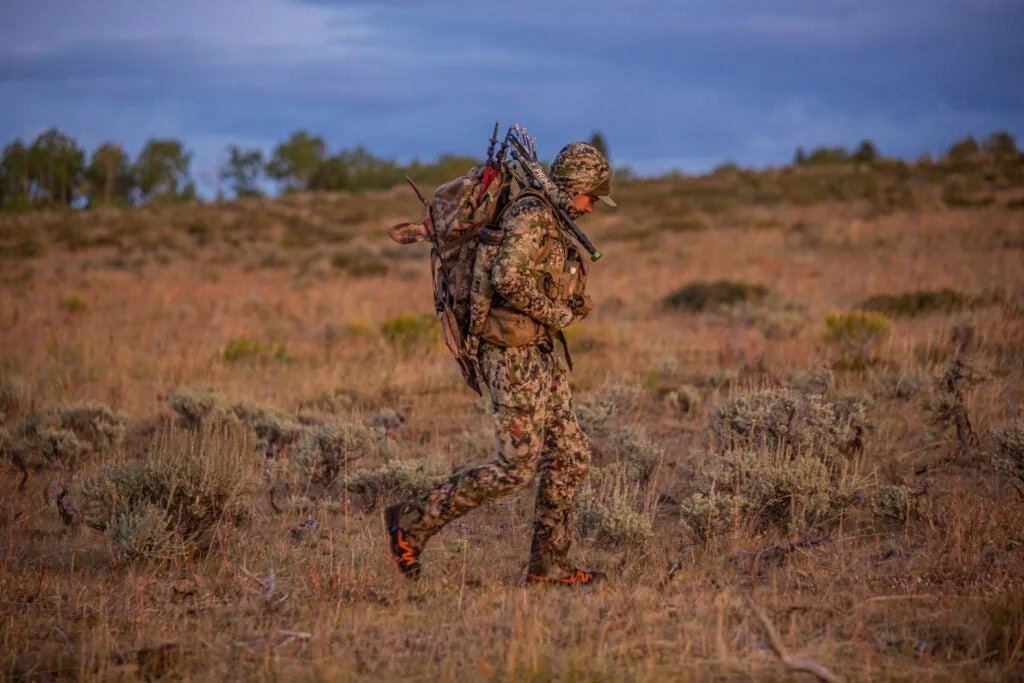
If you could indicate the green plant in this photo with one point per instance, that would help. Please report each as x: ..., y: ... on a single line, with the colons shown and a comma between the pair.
x: 242, y: 348
x: 73, y: 303
x: 857, y: 335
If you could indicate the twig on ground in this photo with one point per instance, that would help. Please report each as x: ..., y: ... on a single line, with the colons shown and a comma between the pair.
x: 789, y: 661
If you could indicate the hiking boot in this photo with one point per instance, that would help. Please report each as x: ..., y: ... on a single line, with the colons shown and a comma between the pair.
x: 406, y: 555
x: 578, y: 576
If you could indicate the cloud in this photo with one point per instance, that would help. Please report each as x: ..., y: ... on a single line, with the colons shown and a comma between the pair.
x: 691, y: 83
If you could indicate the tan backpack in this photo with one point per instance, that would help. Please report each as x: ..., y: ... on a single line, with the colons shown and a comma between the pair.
x: 452, y: 222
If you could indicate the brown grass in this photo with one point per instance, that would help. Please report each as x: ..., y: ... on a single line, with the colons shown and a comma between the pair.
x: 932, y: 595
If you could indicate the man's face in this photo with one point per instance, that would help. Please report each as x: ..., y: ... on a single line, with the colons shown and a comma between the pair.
x: 585, y: 202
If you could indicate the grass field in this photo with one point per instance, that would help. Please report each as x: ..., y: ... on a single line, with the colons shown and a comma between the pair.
x: 256, y: 381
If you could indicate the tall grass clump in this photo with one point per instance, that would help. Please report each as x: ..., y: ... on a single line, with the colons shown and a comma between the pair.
x: 190, y: 484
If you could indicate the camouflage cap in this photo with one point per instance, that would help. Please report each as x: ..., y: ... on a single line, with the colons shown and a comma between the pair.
x: 579, y: 169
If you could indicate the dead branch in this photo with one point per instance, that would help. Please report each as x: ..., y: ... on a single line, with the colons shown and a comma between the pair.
x: 301, y: 635
x: 248, y: 574
x: 64, y: 639
x: 271, y: 586
x: 67, y: 511
x: 789, y: 661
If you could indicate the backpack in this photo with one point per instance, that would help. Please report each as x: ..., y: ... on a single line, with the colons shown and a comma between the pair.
x: 454, y: 216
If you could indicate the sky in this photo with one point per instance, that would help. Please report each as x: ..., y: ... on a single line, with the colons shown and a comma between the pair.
x: 683, y: 85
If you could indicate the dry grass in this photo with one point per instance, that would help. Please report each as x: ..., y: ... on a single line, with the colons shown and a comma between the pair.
x: 919, y: 575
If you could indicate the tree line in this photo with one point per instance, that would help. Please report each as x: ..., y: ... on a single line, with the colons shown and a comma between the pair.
x: 55, y: 170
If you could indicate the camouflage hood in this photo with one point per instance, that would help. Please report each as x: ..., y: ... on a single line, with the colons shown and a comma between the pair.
x: 579, y: 169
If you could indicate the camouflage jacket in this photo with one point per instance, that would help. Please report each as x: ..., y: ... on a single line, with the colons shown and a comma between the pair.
x: 537, y: 269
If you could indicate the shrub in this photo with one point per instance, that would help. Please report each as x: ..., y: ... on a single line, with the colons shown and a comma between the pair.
x: 921, y: 302
x: 275, y: 431
x: 194, y: 404
x: 856, y: 334
x: 242, y: 348
x: 595, y: 409
x: 15, y: 395
x: 175, y: 499
x: 684, y: 399
x: 947, y: 407
x: 61, y: 435
x: 406, y: 330
x: 399, y: 479
x: 635, y: 452
x: 759, y: 489
x: 359, y: 266
x: 791, y: 421
x: 73, y: 303
x: 900, y: 386
x: 898, y: 504
x: 615, y: 523
x: 323, y: 453
x: 1009, y: 453
x: 814, y: 381
x: 703, y: 296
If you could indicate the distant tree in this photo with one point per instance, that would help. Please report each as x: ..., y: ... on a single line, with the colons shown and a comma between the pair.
x: 828, y: 155
x: 56, y: 165
x: 331, y: 174
x: 368, y: 172
x: 1001, y: 145
x: 963, y: 150
x: 14, y: 177
x: 800, y: 158
x: 109, y: 176
x: 162, y: 171
x: 597, y: 140
x: 446, y: 167
x: 243, y: 170
x: 295, y: 161
x: 866, y: 153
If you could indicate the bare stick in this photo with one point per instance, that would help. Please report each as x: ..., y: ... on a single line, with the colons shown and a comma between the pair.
x: 249, y: 574
x: 271, y: 587
x: 789, y: 661
x: 64, y: 639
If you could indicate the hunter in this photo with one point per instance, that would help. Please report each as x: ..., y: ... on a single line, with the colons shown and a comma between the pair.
x: 539, y: 278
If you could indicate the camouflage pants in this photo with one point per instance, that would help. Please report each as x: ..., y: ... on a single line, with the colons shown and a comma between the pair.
x: 537, y: 431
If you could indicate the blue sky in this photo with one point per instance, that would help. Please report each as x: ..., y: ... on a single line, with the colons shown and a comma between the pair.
x: 673, y: 85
